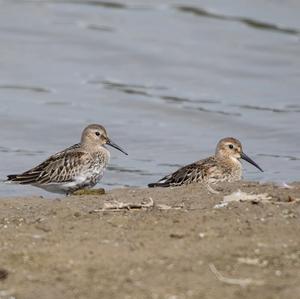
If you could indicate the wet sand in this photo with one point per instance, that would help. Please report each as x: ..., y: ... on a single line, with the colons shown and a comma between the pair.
x: 153, y: 243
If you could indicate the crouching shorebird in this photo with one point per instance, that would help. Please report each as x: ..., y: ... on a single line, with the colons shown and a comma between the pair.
x: 224, y: 166
x: 80, y: 166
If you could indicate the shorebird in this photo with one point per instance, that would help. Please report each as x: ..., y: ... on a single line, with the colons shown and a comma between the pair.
x: 80, y: 166
x: 224, y: 166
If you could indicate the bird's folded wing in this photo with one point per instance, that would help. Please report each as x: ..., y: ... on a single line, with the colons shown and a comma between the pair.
x: 62, y: 167
x: 195, y: 172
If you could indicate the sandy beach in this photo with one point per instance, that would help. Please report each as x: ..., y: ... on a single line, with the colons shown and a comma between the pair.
x: 153, y: 243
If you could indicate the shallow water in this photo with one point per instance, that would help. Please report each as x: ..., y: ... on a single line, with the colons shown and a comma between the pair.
x: 167, y: 81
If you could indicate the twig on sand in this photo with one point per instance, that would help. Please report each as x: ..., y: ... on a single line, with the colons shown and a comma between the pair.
x: 242, y: 282
x: 129, y: 205
x: 118, y: 206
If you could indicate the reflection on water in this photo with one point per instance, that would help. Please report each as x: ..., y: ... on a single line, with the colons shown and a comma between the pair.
x: 247, y: 21
x: 21, y: 152
x: 166, y: 80
x: 108, y: 4
x: 126, y: 170
x: 174, y: 99
x: 291, y: 158
x: 288, y: 110
x: 29, y: 88
x: 100, y: 28
x: 218, y: 111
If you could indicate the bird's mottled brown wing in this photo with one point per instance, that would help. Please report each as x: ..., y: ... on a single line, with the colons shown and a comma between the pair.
x: 60, y: 167
x: 194, y: 172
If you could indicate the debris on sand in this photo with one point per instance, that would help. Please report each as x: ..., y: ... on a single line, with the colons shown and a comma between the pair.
x: 240, y: 196
x: 116, y: 206
x: 242, y: 282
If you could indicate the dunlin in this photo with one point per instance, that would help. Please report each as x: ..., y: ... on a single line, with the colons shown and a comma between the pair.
x: 224, y: 166
x: 80, y: 166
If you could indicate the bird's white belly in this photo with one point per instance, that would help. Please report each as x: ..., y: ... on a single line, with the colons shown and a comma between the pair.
x: 90, y: 177
x: 87, y: 179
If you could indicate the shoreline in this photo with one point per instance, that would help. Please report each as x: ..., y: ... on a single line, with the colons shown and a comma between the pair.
x: 153, y: 243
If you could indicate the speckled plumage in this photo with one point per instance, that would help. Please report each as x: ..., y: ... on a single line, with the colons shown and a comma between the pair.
x: 79, y: 166
x: 224, y: 166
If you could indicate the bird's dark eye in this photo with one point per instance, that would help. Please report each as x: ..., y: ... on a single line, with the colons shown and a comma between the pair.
x: 230, y: 146
x: 97, y: 133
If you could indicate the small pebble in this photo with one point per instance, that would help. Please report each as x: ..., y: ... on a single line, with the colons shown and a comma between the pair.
x: 77, y: 214
x: 177, y: 235
x: 278, y: 273
x: 3, y: 274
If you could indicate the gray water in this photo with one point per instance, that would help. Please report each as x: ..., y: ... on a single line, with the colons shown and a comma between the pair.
x: 167, y: 79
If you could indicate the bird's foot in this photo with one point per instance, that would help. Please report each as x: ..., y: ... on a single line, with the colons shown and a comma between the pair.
x: 99, y: 191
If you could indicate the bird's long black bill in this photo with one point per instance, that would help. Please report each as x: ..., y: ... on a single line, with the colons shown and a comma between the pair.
x: 109, y: 142
x: 246, y: 158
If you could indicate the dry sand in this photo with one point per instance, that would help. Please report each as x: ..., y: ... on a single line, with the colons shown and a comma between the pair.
x: 153, y: 243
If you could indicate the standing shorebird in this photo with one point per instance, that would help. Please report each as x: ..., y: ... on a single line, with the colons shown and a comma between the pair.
x: 224, y: 166
x: 80, y: 166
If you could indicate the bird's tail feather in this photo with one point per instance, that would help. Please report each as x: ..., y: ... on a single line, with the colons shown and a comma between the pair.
x: 11, y: 177
x: 21, y: 179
